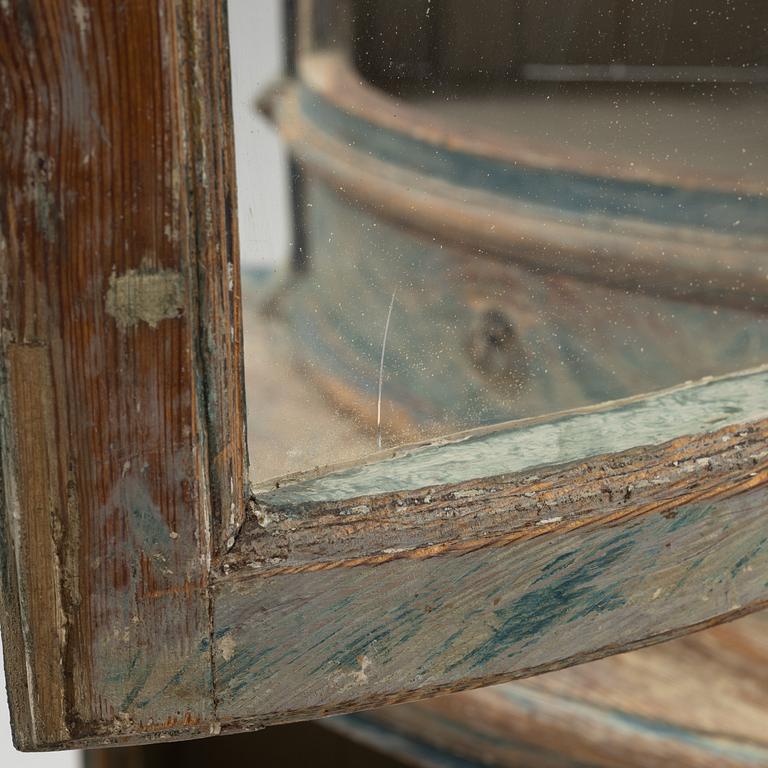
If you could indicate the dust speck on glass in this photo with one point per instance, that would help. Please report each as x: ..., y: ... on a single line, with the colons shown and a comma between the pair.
x: 453, y: 214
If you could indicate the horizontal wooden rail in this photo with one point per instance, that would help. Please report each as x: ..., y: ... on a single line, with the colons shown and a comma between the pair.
x: 651, y: 525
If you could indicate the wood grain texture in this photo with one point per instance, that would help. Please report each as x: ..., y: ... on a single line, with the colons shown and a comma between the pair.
x: 120, y: 390
x: 44, y: 632
x: 699, y: 701
x: 489, y: 487
x: 140, y: 600
x: 299, y: 645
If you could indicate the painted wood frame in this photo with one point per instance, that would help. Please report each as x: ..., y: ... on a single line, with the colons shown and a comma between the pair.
x: 145, y: 593
x: 654, y: 706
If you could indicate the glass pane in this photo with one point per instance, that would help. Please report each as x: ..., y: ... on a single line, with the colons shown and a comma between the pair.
x: 455, y: 214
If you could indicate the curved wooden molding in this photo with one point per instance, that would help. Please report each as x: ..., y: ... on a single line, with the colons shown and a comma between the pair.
x: 347, y: 134
x: 419, y: 587
x: 331, y: 74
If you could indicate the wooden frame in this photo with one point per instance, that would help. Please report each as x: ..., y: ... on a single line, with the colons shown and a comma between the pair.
x: 123, y: 456
x: 146, y: 594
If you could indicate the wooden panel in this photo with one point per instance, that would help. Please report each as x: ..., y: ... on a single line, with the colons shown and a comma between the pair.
x: 120, y: 390
x: 144, y: 596
x: 512, y: 342
x: 35, y: 491
x: 301, y: 645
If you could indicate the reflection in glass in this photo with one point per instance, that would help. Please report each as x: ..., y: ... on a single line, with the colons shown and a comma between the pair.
x: 566, y: 199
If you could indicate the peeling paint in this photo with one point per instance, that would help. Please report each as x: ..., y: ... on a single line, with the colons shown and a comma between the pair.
x: 470, y: 493
x: 147, y: 297
x: 227, y: 647
x: 82, y: 19
x: 521, y: 446
x: 361, y: 676
x: 263, y: 518
x: 360, y: 509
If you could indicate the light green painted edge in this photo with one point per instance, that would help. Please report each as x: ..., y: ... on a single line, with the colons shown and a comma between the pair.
x: 692, y: 408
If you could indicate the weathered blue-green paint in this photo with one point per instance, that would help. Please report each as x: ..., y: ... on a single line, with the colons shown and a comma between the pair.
x: 311, y: 641
x: 575, y: 194
x: 702, y: 407
x: 577, y: 342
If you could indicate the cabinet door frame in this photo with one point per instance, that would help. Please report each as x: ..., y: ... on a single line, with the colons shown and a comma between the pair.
x: 147, y: 591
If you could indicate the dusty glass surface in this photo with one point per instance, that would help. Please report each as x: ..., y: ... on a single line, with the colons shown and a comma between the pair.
x: 454, y: 214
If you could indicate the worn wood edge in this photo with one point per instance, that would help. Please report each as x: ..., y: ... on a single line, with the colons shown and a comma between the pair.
x: 230, y: 726
x: 216, y: 239
x: 214, y: 236
x: 15, y: 653
x: 362, y: 703
x: 334, y: 76
x: 103, y: 738
x: 426, y: 206
x: 493, y: 512
x: 210, y: 272
x: 296, y: 646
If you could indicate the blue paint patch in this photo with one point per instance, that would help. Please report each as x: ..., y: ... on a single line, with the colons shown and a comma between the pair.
x: 523, y: 621
x: 571, y: 192
x: 690, y: 515
x: 745, y: 560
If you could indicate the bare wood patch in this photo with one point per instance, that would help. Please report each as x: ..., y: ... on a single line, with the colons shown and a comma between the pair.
x: 144, y: 297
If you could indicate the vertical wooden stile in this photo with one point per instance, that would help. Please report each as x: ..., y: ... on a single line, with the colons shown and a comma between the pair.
x: 121, y: 412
